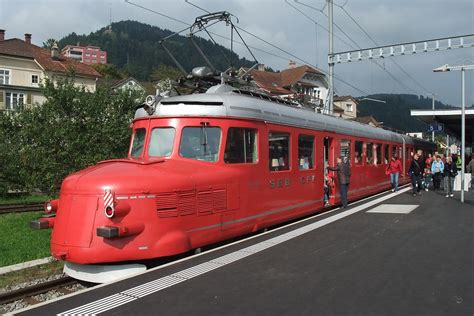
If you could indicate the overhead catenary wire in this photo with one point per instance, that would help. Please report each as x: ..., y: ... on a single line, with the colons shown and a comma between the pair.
x: 268, y: 43
x: 289, y: 53
x: 392, y: 76
x: 375, y: 42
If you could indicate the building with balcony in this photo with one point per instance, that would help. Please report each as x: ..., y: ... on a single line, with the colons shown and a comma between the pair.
x: 89, y: 55
x: 304, y: 83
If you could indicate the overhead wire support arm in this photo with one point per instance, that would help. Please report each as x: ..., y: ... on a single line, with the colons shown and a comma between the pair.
x: 433, y: 45
x: 181, y: 68
x: 208, y: 62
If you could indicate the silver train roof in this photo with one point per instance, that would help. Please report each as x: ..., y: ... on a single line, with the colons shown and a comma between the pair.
x: 226, y: 101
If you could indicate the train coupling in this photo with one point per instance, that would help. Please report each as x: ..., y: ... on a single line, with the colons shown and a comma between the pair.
x: 45, y: 222
x: 119, y: 231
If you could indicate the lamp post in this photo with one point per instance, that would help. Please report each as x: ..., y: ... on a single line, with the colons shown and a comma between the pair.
x: 462, y: 68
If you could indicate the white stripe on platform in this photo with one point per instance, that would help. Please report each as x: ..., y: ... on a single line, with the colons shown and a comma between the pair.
x: 165, y: 282
x: 24, y: 265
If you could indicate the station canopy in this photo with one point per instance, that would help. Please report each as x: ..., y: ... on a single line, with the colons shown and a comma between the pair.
x: 451, y: 119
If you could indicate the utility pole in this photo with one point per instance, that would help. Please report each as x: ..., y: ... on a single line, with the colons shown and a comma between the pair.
x: 433, y: 107
x: 331, y: 57
x: 463, y: 133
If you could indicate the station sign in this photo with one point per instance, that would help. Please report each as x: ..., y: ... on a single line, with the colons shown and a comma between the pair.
x: 436, y: 127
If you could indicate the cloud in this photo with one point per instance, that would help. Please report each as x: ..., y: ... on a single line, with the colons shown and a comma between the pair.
x: 387, y: 21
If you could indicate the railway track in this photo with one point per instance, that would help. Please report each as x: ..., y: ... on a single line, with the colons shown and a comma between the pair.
x: 18, y: 208
x: 28, y: 292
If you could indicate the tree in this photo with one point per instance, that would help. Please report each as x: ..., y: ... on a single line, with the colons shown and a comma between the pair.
x: 72, y: 130
x: 49, y: 43
x: 108, y: 71
x: 165, y: 72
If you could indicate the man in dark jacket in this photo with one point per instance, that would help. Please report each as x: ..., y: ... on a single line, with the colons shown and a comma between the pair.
x: 416, y: 174
x: 343, y: 170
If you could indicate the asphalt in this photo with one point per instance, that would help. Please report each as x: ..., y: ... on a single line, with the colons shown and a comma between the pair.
x: 419, y: 263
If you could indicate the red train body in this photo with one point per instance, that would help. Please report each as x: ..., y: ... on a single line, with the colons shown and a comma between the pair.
x: 167, y: 201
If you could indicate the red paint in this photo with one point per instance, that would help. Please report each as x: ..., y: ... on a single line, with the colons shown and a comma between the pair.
x: 175, y: 204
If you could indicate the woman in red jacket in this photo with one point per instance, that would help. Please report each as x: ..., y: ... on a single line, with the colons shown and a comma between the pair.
x: 394, y: 168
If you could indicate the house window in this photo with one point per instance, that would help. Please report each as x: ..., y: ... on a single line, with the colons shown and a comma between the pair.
x: 349, y: 107
x: 14, y: 101
x: 34, y: 79
x: 4, y: 76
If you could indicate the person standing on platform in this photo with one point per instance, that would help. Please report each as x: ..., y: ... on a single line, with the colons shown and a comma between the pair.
x: 416, y: 174
x: 470, y: 169
x: 437, y: 169
x: 343, y: 170
x: 394, y: 168
x: 428, y: 161
x: 450, y: 172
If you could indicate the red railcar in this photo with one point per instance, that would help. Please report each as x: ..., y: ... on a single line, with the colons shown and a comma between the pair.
x: 208, y: 167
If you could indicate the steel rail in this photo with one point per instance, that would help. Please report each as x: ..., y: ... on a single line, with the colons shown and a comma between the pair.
x: 35, y: 290
x: 18, y: 208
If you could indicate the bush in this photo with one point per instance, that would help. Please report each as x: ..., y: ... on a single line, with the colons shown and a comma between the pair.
x: 72, y: 130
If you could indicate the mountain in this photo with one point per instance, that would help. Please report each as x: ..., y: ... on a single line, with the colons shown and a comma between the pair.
x: 134, y: 47
x: 396, y: 112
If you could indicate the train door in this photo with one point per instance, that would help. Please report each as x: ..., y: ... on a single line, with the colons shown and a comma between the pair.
x: 329, y: 177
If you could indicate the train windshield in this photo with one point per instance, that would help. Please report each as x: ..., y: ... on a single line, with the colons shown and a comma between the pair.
x: 161, y: 142
x: 200, y: 143
x: 138, y: 142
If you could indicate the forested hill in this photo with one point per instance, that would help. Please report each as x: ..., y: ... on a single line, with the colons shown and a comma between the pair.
x: 134, y: 47
x: 396, y: 112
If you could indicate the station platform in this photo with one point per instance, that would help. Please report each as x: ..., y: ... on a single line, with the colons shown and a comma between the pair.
x: 391, y: 254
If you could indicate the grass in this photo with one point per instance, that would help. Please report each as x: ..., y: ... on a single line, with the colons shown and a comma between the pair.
x: 33, y: 273
x: 20, y: 243
x: 23, y: 199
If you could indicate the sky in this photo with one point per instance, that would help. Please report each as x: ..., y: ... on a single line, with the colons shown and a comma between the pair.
x: 278, y: 22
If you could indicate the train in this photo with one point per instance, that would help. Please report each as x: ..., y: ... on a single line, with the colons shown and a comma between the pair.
x: 207, y: 167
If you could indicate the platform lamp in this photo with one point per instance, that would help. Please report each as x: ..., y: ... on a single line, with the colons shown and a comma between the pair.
x: 462, y: 68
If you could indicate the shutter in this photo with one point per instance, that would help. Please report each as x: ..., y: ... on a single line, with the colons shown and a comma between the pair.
x: 2, y: 101
x: 28, y: 99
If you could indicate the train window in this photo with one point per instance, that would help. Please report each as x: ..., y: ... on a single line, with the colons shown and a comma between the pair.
x: 200, y: 143
x: 161, y: 142
x: 279, y: 149
x: 346, y: 148
x: 394, y: 151
x: 138, y: 142
x: 370, y: 154
x: 378, y: 152
x: 359, y: 147
x: 305, y: 152
x: 386, y: 154
x: 241, y: 146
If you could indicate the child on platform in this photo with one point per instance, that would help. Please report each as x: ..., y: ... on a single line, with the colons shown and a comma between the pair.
x: 427, y: 179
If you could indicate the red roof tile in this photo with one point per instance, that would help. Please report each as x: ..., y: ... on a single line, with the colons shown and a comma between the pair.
x: 17, y: 47
x: 293, y: 75
x: 280, y: 82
